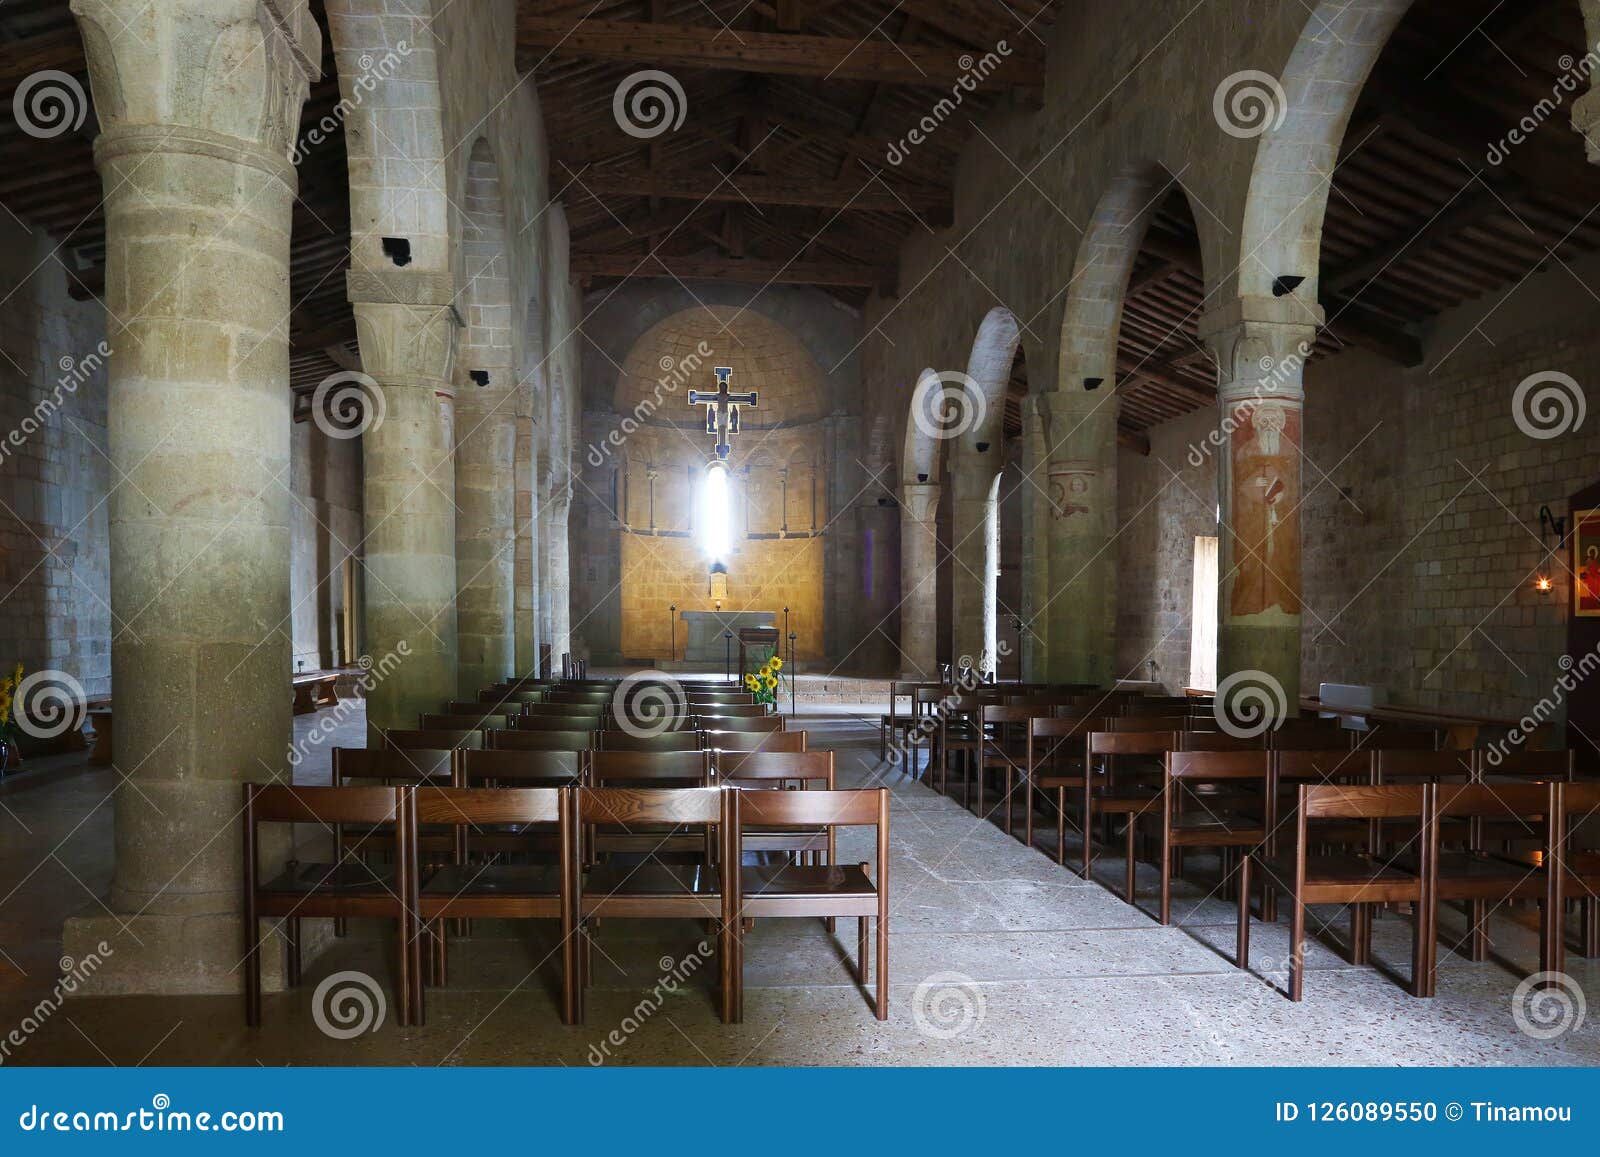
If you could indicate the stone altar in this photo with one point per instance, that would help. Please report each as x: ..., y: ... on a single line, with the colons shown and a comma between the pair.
x: 705, y: 643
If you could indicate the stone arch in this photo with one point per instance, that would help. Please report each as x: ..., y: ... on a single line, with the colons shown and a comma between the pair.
x: 923, y: 455
x: 530, y: 390
x: 989, y: 366
x: 1290, y: 181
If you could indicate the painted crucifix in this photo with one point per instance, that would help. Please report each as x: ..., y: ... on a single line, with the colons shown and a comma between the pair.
x: 722, y: 409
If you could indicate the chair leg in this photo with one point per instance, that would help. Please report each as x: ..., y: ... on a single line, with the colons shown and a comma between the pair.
x: 408, y: 949
x: 1478, y: 938
x: 1421, y: 949
x: 1590, y: 929
x: 252, y: 973
x: 1130, y: 881
x: 862, y: 973
x: 1008, y: 800
x: 439, y: 943
x: 1088, y: 827
x: 882, y: 1004
x: 1061, y: 826
x: 1360, y: 934
x: 1241, y: 955
x: 1297, y: 960
x: 291, y: 928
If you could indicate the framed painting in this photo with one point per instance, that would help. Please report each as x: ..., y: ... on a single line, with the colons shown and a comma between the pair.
x: 1586, y: 563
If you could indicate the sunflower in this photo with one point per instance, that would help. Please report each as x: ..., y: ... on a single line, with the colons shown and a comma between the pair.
x: 776, y: 664
x: 769, y: 682
x: 750, y: 682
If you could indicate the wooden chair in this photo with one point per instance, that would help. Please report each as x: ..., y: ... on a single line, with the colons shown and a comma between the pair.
x: 1576, y: 803
x: 552, y: 710
x: 1052, y: 742
x: 708, y: 891
x: 509, y: 700
x: 440, y: 721
x: 960, y: 735
x: 1360, y: 881
x: 514, y: 769
x: 1005, y: 748
x: 652, y: 769
x: 556, y: 722
x: 894, y: 723
x: 1484, y: 881
x: 1239, y: 832
x: 499, y: 891
x: 664, y: 741
x: 830, y: 890
x: 433, y: 739
x: 743, y: 710
x: 1308, y: 735
x: 520, y: 740
x: 348, y: 888
x: 710, y: 722
x: 1395, y: 737
x: 1108, y: 794
x: 755, y: 740
x: 1133, y: 723
x: 773, y: 770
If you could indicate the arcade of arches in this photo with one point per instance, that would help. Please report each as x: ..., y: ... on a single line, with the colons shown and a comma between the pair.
x: 357, y: 337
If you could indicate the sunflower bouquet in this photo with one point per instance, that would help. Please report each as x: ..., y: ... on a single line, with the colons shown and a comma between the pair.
x: 8, y: 696
x: 764, y: 681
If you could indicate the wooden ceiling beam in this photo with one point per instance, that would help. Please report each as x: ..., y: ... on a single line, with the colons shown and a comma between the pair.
x: 792, y: 54
x: 871, y: 196
x: 746, y: 271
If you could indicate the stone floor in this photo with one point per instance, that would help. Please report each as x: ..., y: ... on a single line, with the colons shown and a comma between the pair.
x: 998, y: 957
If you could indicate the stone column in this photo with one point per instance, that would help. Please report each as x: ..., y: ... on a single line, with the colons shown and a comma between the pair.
x: 486, y: 528
x: 1081, y: 482
x: 407, y: 333
x: 879, y: 584
x: 919, y: 580
x: 1035, y: 546
x: 1261, y: 346
x: 196, y: 99
x: 975, y: 527
x: 1586, y: 109
x: 559, y: 579
x: 527, y: 550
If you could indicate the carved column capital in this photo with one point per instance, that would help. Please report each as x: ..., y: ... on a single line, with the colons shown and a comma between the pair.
x: 1261, y: 346
x: 920, y: 500
x: 214, y: 74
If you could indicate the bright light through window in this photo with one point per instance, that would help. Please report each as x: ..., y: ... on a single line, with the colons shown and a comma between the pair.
x: 716, y: 513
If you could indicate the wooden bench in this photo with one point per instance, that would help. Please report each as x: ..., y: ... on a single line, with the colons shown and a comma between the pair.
x: 314, y: 691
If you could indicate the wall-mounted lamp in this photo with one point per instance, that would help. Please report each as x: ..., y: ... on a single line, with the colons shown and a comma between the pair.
x: 1093, y: 383
x: 922, y: 477
x: 1553, y: 525
x: 1543, y: 584
x: 1286, y: 284
x: 479, y: 377
x: 983, y: 447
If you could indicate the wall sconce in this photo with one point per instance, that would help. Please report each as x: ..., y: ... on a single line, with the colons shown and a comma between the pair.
x: 1553, y: 525
x: 1286, y: 284
x: 479, y: 377
x: 922, y: 477
x: 1543, y: 584
x: 1092, y: 384
x: 983, y: 447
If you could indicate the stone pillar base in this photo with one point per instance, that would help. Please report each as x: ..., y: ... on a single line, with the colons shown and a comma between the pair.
x: 154, y: 955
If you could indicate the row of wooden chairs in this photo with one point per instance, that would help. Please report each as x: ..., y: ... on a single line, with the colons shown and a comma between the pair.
x: 584, y: 738
x: 421, y: 897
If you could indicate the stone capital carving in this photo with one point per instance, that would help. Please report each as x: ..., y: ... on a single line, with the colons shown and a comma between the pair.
x: 920, y: 500
x: 228, y: 70
x: 407, y: 343
x: 400, y: 287
x: 1261, y: 347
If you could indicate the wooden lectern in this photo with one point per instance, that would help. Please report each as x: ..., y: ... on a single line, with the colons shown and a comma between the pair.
x: 759, y: 637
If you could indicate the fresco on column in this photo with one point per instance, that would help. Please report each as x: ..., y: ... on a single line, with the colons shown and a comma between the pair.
x: 1265, y: 451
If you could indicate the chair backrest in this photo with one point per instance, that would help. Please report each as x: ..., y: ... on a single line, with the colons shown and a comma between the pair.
x: 996, y: 713
x: 744, y: 710
x: 1395, y: 737
x: 1214, y: 766
x: 541, y: 740
x: 660, y: 768
x: 474, y: 708
x: 1140, y: 707
x: 652, y: 805
x: 712, y: 722
x: 704, y: 697
x: 1575, y: 799
x: 1308, y: 735
x: 472, y: 806
x: 746, y: 767
x: 1365, y: 801
x: 544, y: 767
x: 564, y: 695
x: 392, y: 764
x: 1528, y: 764
x: 665, y: 741
x: 556, y: 722
x: 1221, y: 741
x: 1499, y: 801
x: 440, y: 721
x: 755, y: 740
x: 509, y: 700
x: 838, y: 808
x: 283, y: 804
x: 1393, y: 766
x: 564, y: 707
x: 1059, y: 726
x: 1323, y: 766
x: 1149, y: 723
x: 1132, y: 742
x: 438, y: 739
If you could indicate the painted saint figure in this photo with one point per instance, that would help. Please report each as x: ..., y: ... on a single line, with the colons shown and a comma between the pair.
x: 1266, y: 489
